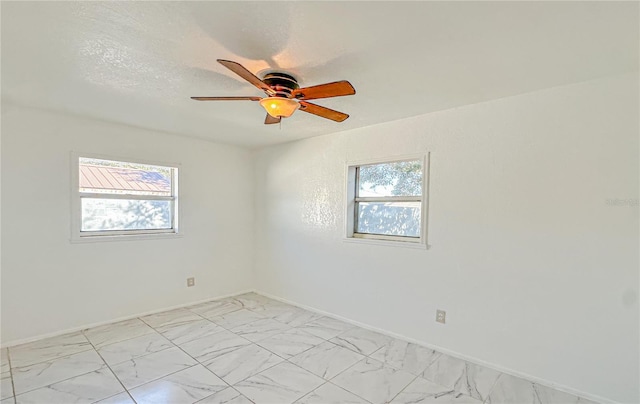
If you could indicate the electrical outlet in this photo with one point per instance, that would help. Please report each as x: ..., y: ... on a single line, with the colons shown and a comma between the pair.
x: 441, y: 316
x: 191, y: 282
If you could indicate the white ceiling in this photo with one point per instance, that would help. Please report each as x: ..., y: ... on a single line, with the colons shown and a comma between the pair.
x: 139, y: 62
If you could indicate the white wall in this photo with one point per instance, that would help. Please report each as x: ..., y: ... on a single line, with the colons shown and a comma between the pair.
x: 537, y: 273
x: 49, y: 284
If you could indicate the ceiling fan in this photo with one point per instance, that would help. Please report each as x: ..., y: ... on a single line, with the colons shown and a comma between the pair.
x: 284, y: 95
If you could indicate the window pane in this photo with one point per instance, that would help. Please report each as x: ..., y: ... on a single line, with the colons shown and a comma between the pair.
x: 116, y: 177
x: 402, y: 178
x: 389, y: 218
x: 122, y: 214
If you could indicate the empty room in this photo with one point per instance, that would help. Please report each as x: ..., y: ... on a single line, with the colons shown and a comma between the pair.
x: 320, y: 202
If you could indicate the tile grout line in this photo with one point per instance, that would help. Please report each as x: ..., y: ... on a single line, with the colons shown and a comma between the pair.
x: 118, y: 341
x: 111, y: 370
x: 52, y: 359
x: 198, y: 363
x: 173, y: 373
x: 176, y: 325
x: 230, y: 387
x: 59, y: 381
x: 257, y: 344
x: 465, y: 374
x: 147, y: 324
x: 288, y: 360
x: 334, y: 377
x: 263, y: 370
x: 384, y: 364
x: 204, y: 366
x: 333, y: 384
x: 349, y: 391
x: 419, y: 375
x: 129, y: 339
x: 250, y: 343
x: 403, y: 389
x: 492, y: 387
x: 13, y: 385
x: 153, y: 329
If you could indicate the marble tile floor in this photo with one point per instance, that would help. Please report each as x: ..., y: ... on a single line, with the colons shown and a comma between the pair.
x: 249, y: 349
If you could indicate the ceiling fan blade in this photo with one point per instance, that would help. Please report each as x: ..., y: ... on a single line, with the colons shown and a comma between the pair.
x: 271, y: 120
x: 322, y: 111
x: 335, y: 89
x: 241, y: 71
x: 226, y: 98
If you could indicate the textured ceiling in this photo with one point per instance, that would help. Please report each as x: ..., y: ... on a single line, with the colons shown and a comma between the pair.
x: 139, y: 62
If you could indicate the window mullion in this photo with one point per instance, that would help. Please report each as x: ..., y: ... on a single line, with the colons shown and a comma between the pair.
x: 95, y: 195
x: 389, y: 199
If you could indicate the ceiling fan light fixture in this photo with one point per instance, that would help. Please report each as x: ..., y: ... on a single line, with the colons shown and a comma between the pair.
x: 279, y: 107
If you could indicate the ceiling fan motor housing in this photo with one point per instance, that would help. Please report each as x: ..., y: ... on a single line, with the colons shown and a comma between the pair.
x: 283, y: 84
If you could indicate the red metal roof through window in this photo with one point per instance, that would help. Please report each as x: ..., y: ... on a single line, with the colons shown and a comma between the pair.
x: 123, y: 179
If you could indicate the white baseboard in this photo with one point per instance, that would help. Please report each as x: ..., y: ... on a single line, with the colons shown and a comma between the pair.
x: 115, y: 320
x: 458, y: 355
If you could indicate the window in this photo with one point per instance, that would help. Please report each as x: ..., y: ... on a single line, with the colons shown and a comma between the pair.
x: 118, y: 198
x: 386, y: 201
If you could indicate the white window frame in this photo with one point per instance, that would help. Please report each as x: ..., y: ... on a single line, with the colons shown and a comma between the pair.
x: 78, y: 236
x: 351, y: 199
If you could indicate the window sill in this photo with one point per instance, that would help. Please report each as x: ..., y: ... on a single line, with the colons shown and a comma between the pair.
x: 124, y: 237
x: 387, y: 243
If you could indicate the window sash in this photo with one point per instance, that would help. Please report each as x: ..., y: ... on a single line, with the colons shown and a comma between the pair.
x: 357, y: 179
x: 389, y: 199
x: 125, y: 191
x: 172, y: 211
x: 373, y: 235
